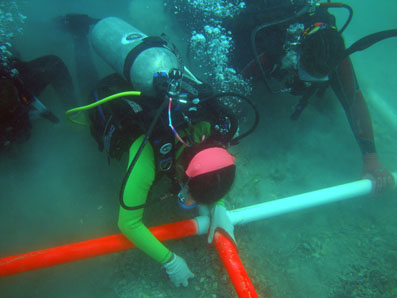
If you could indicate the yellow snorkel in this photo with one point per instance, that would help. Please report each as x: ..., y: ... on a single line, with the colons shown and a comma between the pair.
x: 97, y: 103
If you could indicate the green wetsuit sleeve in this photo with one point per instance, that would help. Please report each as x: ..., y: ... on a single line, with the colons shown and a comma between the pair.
x: 221, y: 202
x: 135, y: 193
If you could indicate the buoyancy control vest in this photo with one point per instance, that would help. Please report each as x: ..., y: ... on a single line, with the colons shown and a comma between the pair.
x: 117, y: 124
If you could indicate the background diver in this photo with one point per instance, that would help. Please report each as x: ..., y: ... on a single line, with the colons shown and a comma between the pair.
x: 299, y: 50
x: 21, y: 83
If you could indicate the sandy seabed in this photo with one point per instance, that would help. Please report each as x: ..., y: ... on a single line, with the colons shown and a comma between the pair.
x: 58, y: 189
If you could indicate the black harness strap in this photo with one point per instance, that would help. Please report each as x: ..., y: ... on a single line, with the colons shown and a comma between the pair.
x: 147, y: 43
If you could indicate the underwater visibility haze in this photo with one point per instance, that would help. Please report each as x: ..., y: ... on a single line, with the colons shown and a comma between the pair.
x: 57, y: 188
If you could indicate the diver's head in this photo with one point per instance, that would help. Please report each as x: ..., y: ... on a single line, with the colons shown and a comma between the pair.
x: 321, y: 47
x: 209, y: 176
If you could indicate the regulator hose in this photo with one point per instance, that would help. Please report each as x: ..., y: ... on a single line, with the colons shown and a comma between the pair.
x: 247, y: 100
x: 340, y: 5
x: 368, y: 41
x: 301, y: 12
x: 137, y: 154
x: 97, y: 103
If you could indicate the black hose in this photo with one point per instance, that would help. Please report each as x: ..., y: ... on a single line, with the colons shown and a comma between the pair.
x: 369, y: 40
x: 301, y: 12
x: 340, y: 5
x: 256, y: 121
x: 138, y: 153
x: 349, y: 19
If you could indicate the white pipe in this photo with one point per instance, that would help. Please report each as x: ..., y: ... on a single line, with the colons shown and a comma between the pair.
x: 203, y: 224
x: 294, y: 203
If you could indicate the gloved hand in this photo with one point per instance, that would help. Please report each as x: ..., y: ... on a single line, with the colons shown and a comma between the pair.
x: 220, y: 220
x: 178, y: 271
x: 373, y: 169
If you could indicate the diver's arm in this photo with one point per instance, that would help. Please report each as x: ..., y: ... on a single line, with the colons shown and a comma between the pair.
x: 47, y: 70
x: 345, y: 85
x: 135, y: 193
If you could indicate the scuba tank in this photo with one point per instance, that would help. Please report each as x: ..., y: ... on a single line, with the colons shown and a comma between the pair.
x: 132, y: 54
x: 152, y: 67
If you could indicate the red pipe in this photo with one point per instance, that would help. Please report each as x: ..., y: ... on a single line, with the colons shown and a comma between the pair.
x: 90, y: 248
x: 239, y: 277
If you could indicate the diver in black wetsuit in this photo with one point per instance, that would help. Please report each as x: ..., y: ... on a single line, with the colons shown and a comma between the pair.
x: 21, y: 83
x: 296, y: 48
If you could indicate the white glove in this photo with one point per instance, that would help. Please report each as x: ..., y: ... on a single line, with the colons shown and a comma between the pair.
x: 178, y: 271
x: 220, y: 220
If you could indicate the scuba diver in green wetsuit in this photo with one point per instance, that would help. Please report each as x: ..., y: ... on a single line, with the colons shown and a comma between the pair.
x: 195, y: 159
x: 178, y: 128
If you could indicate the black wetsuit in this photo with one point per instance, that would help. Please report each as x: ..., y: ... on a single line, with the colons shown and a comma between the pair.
x: 19, y: 92
x: 270, y: 45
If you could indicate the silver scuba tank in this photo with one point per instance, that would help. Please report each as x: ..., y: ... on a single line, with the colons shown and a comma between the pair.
x: 131, y: 53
